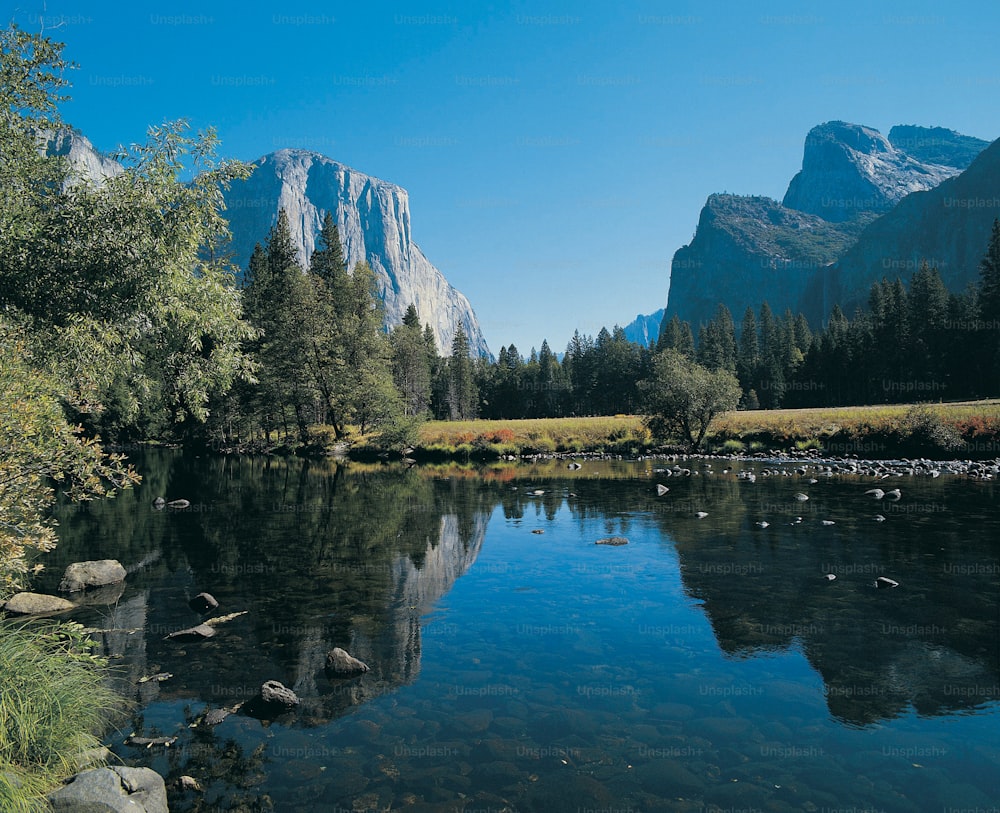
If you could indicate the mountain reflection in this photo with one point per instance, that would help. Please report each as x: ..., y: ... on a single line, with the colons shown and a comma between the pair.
x: 321, y: 556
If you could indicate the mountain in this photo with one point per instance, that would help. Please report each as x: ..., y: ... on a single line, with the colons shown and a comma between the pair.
x: 855, y: 187
x: 948, y: 226
x: 747, y: 249
x: 644, y: 329
x: 373, y: 217
x: 848, y: 169
x: 937, y: 145
x: 83, y: 157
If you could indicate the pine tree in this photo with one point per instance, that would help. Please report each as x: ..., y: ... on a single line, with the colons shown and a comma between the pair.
x: 748, y: 355
x: 989, y: 278
x: 463, y: 396
x: 411, y: 364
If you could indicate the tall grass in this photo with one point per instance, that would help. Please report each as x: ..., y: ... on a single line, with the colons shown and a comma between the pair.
x: 54, y: 706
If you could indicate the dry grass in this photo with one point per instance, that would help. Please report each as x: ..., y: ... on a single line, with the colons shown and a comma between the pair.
x: 802, y: 424
x: 874, y: 429
x: 537, y: 434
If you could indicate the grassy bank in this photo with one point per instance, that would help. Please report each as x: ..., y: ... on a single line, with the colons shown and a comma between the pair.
x: 957, y: 430
x: 620, y: 434
x: 53, y: 708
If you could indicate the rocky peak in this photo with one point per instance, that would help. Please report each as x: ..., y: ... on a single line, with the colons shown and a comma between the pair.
x: 937, y: 145
x: 848, y: 169
x: 373, y: 217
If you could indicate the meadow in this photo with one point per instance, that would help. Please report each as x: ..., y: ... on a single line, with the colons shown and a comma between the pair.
x: 961, y: 429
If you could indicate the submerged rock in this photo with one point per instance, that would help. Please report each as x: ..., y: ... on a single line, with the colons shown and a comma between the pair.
x: 203, y: 603
x: 341, y: 664
x: 196, y: 633
x: 97, y: 573
x: 883, y: 581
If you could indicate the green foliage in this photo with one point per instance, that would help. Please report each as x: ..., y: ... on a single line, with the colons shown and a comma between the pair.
x: 682, y: 397
x: 53, y: 708
x: 40, y: 449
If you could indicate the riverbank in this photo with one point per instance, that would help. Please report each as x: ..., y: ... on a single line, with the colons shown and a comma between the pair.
x: 966, y: 430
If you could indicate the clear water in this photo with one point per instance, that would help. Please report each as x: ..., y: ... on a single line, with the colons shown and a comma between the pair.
x: 707, y: 665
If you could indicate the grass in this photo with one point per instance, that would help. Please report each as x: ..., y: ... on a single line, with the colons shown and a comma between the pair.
x: 53, y: 708
x: 485, y: 439
x: 961, y: 429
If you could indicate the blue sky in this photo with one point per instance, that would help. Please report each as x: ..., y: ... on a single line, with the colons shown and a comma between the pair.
x: 556, y: 154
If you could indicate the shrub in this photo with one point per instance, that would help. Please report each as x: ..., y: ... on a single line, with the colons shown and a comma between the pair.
x: 928, y: 429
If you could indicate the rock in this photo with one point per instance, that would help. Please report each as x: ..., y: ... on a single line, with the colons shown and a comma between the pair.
x: 149, y: 742
x: 203, y: 603
x: 274, y: 693
x: 112, y: 790
x: 849, y: 168
x: 197, y: 633
x: 701, y: 514
x: 340, y: 664
x: 801, y: 497
x: 37, y: 604
x: 159, y: 503
x: 188, y: 783
x: 178, y: 504
x: 661, y: 490
x: 81, y: 575
x: 882, y: 581
x: 612, y: 540
x: 830, y: 577
x: 373, y: 218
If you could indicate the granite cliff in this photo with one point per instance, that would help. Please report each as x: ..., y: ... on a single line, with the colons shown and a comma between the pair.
x: 862, y: 207
x: 373, y: 217
x: 848, y: 169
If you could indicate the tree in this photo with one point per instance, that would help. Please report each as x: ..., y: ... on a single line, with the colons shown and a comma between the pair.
x: 462, y: 395
x: 748, y: 353
x: 717, y: 348
x: 681, y: 397
x: 675, y: 335
x: 989, y: 277
x: 411, y: 366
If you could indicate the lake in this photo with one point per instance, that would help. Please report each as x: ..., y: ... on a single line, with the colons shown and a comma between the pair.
x: 515, y: 665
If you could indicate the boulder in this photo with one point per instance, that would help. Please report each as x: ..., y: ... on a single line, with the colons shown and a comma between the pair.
x: 203, y: 603
x: 37, y: 604
x: 81, y: 575
x: 274, y: 693
x: 112, y: 790
x: 340, y: 664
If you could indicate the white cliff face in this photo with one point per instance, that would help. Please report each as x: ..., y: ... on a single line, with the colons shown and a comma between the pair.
x: 373, y: 217
x: 85, y: 161
x: 848, y: 169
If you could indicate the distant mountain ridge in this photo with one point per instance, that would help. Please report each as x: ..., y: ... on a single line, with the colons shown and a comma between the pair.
x: 831, y: 236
